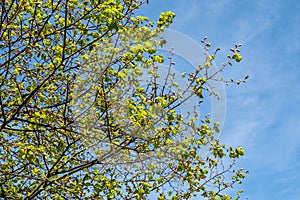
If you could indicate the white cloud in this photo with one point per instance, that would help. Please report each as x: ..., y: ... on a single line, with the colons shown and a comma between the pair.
x: 257, y: 20
x: 263, y: 115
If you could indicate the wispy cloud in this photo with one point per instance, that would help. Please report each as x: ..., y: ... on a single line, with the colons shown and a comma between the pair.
x: 262, y: 115
x: 256, y: 20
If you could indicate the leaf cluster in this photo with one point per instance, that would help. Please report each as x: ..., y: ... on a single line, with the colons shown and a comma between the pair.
x: 75, y: 120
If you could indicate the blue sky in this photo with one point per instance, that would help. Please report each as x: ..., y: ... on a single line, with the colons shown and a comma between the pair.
x: 263, y: 115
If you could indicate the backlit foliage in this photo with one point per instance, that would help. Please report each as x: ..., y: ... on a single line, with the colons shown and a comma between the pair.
x: 75, y: 122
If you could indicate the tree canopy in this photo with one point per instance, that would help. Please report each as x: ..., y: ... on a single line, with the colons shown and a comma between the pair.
x: 75, y: 120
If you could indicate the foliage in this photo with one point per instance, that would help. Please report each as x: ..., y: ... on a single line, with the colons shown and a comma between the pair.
x: 75, y: 121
